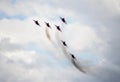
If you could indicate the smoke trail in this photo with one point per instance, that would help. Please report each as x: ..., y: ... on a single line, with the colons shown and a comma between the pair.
x: 77, y: 65
x: 47, y: 34
x: 63, y: 48
x: 49, y: 37
x: 66, y: 52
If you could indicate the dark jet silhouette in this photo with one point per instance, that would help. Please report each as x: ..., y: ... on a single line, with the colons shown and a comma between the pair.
x: 74, y: 61
x: 47, y: 24
x: 64, y: 43
x: 76, y: 64
x: 36, y: 22
x: 63, y: 20
x: 73, y: 56
x: 58, y: 28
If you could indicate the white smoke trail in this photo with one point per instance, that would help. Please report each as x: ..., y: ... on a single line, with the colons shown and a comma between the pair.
x: 63, y: 48
x: 47, y: 33
x: 66, y: 51
x: 78, y: 65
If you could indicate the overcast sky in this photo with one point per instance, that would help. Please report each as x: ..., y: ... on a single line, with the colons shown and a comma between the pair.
x: 92, y: 34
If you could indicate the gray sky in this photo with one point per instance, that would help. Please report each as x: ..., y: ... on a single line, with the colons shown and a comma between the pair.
x: 92, y: 34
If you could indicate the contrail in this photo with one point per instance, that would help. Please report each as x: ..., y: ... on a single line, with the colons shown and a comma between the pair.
x: 70, y: 56
x: 47, y: 28
x: 76, y: 63
x: 64, y: 48
x: 49, y: 37
x: 47, y: 33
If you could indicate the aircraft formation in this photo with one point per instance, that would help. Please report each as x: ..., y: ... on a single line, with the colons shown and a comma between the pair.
x: 63, y: 43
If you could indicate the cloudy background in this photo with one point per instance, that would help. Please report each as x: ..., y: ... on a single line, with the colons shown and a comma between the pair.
x: 92, y: 34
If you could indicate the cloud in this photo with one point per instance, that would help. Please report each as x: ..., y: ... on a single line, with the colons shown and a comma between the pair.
x: 33, y: 65
x: 7, y: 46
x: 20, y: 65
x: 96, y: 9
x: 32, y: 8
x: 27, y: 55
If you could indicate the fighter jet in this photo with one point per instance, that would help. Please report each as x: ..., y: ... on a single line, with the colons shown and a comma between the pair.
x: 73, y: 56
x: 76, y: 64
x: 64, y: 43
x: 58, y: 28
x: 63, y: 20
x: 47, y: 24
x: 36, y: 22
